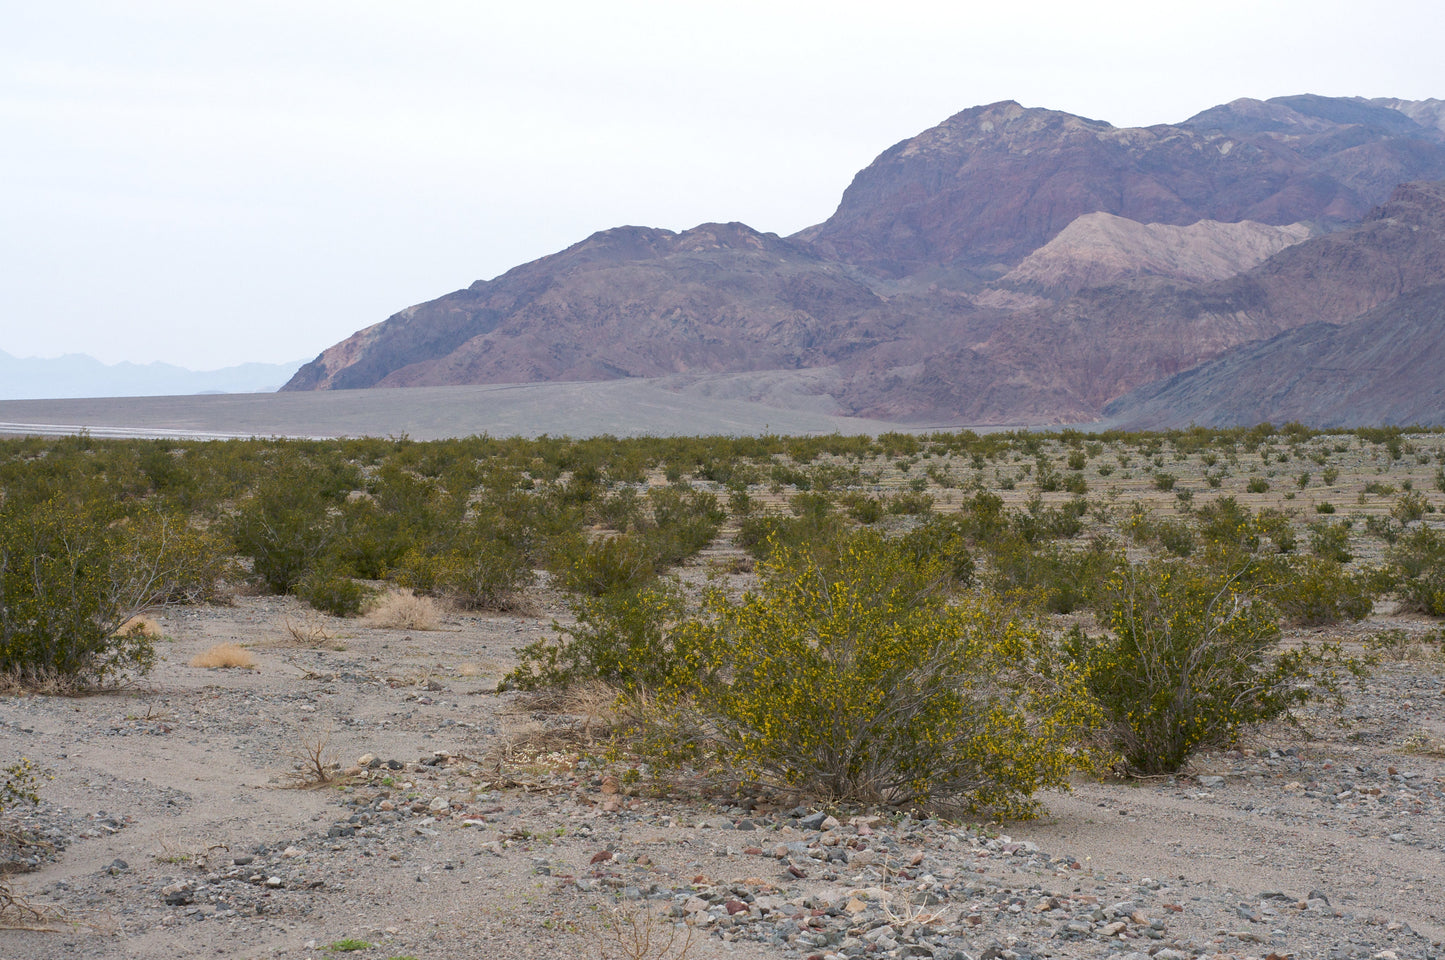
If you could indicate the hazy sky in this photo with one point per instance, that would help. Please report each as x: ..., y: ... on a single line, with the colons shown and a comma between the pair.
x: 209, y: 183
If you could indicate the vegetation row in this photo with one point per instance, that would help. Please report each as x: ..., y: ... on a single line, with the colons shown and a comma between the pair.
x: 944, y: 621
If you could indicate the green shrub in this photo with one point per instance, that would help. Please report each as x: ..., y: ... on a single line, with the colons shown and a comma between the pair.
x: 854, y: 680
x: 683, y: 522
x: 604, y: 565
x: 1257, y: 485
x: 17, y: 784
x: 72, y: 573
x: 1175, y: 537
x: 760, y: 533
x: 942, y: 539
x: 1329, y: 475
x: 284, y: 527
x: 863, y: 508
x: 332, y: 591
x: 1410, y: 507
x: 1385, y: 528
x: 1049, y: 576
x: 622, y: 638
x: 1164, y: 481
x: 1190, y: 660
x: 481, y: 564
x: 1418, y: 562
x: 1324, y: 507
x: 1330, y: 541
x: 1315, y: 590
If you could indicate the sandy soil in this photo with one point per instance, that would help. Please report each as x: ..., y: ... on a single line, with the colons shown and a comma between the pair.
x: 177, y: 837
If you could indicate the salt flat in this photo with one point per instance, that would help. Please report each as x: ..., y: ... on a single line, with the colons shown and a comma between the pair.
x: 634, y: 407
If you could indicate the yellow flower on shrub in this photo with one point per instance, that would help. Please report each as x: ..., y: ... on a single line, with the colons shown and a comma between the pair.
x: 856, y: 679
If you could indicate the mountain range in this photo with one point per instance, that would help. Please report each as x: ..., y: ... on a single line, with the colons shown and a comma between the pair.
x: 79, y: 375
x: 1276, y: 259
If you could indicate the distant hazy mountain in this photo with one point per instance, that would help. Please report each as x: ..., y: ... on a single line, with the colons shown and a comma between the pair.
x: 78, y: 375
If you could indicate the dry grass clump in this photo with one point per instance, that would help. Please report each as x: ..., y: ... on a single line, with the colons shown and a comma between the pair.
x: 139, y: 626
x: 14, y: 683
x: 404, y: 610
x: 224, y: 656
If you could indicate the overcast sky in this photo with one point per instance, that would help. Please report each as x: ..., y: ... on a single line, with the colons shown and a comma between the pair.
x: 211, y: 183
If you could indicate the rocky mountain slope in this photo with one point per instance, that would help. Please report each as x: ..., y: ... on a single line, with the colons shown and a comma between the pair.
x: 1332, y: 375
x: 1008, y: 266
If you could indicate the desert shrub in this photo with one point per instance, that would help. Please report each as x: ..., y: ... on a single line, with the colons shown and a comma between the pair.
x: 1278, y: 527
x: 623, y: 638
x: 942, y: 539
x: 984, y: 515
x: 1315, y: 590
x: 1330, y: 541
x: 760, y: 533
x: 1190, y: 660
x: 1324, y: 507
x: 1047, y: 477
x: 911, y: 504
x: 1417, y: 560
x: 1396, y: 645
x: 1164, y: 481
x: 1383, y: 528
x: 1175, y: 537
x: 1225, y: 524
x: 1050, y: 576
x: 331, y: 590
x: 480, y: 562
x: 863, y: 508
x: 1410, y: 507
x: 811, y: 507
x: 853, y: 679
x: 783, y: 475
x: 285, y: 526
x: 622, y: 510
x: 17, y: 784
x: 604, y: 565
x: 72, y: 573
x: 1257, y: 485
x: 683, y: 522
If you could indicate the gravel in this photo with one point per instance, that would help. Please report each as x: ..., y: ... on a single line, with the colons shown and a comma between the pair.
x: 166, y: 829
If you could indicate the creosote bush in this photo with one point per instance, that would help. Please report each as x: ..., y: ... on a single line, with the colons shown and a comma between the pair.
x: 1190, y: 660
x: 1417, y: 559
x: 621, y: 637
x: 855, y: 679
x: 73, y: 572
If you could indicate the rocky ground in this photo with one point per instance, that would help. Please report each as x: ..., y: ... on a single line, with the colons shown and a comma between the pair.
x: 171, y: 827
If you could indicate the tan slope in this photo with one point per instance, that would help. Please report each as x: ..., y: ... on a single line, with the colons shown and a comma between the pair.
x: 1100, y: 248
